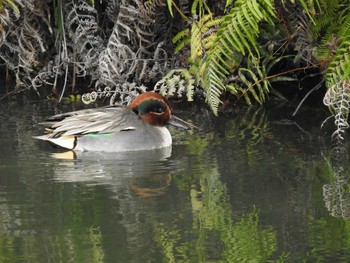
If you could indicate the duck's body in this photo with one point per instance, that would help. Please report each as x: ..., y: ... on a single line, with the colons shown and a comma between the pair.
x: 139, y: 127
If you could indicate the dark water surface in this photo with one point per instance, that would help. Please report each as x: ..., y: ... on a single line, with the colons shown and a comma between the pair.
x: 252, y: 186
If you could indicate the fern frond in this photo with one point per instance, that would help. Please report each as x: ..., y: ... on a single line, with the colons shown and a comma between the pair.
x: 200, y: 7
x: 181, y: 81
x: 170, y: 6
x: 237, y: 34
x: 132, y: 53
x: 181, y: 39
x: 337, y: 98
x: 22, y: 38
x: 198, y: 39
x: 332, y: 26
x: 309, y: 8
x: 112, y: 10
x: 256, y: 84
x: 339, y: 68
x: 84, y: 33
x: 214, y: 87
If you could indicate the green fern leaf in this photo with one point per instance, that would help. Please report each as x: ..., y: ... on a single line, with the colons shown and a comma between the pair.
x: 339, y: 68
x: 200, y: 7
x: 237, y: 34
x: 249, y: 83
x: 181, y: 39
x: 228, y: 2
x: 180, y: 81
x: 181, y: 35
x: 238, y: 44
x: 170, y: 7
x: 214, y: 90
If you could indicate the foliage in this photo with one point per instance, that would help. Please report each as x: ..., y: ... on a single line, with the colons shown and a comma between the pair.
x: 237, y: 34
x: 338, y: 99
x: 200, y: 38
x: 180, y: 81
x: 23, y: 27
x: 132, y: 53
x: 217, y: 48
x: 220, y: 48
x: 332, y: 27
x: 236, y: 63
x: 106, y: 45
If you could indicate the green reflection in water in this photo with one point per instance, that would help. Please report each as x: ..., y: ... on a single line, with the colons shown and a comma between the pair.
x: 64, y: 232
x: 97, y: 246
x: 329, y: 236
x: 7, y: 249
x: 216, y: 235
x: 329, y: 240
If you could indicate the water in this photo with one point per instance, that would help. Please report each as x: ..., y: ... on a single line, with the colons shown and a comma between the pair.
x: 252, y: 186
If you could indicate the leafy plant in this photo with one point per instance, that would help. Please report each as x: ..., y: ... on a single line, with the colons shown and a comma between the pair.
x: 217, y: 48
x: 332, y: 28
x: 200, y: 38
x: 220, y: 49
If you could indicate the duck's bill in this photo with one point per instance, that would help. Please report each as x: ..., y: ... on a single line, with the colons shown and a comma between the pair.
x: 177, y: 122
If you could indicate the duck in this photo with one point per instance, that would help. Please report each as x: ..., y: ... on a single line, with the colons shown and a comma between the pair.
x: 138, y: 127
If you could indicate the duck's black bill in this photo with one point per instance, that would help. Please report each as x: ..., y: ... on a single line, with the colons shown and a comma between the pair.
x: 177, y: 122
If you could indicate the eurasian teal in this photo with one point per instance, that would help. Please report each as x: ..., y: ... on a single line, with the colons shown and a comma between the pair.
x: 141, y: 126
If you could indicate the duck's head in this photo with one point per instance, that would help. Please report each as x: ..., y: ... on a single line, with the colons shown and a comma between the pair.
x: 155, y: 110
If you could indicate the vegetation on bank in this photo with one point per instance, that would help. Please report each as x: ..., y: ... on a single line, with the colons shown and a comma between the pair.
x: 220, y: 50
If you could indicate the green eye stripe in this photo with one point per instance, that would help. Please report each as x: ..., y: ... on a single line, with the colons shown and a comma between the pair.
x: 98, y: 134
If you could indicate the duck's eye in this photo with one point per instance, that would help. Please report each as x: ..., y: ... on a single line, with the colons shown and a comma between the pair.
x: 150, y: 106
x: 158, y: 110
x: 157, y: 107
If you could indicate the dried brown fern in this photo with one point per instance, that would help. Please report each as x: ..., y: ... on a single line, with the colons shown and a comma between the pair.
x: 78, y: 43
x: 23, y: 30
x: 135, y: 53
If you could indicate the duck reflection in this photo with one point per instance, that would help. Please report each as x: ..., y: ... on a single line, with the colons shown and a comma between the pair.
x: 144, y: 172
